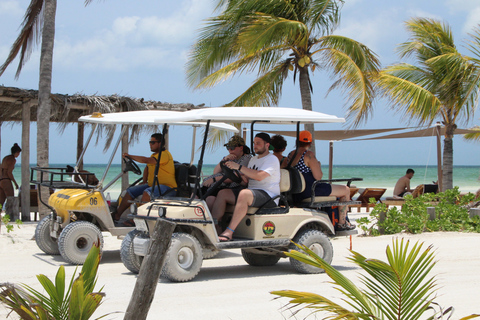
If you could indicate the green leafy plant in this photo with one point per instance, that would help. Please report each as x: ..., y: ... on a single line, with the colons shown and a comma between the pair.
x: 400, y: 288
x: 77, y: 302
x: 6, y: 222
x: 451, y: 211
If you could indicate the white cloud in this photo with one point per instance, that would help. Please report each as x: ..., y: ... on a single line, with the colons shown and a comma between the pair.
x: 473, y: 20
x: 137, y: 42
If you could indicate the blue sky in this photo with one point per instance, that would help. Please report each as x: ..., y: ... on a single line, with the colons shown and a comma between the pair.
x: 139, y: 49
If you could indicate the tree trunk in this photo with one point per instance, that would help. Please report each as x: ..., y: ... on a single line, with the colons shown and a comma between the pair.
x: 307, y: 101
x: 25, y: 192
x: 448, y: 157
x: 44, y: 91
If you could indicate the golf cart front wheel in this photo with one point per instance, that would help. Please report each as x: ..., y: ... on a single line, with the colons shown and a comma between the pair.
x: 77, y: 239
x: 130, y: 260
x: 43, y: 239
x: 316, y: 241
x: 183, y: 259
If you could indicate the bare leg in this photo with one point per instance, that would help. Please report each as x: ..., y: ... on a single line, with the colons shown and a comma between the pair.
x: 224, y: 197
x: 342, y: 192
x: 123, y: 206
x: 210, y: 201
x: 6, y: 188
x: 245, y: 199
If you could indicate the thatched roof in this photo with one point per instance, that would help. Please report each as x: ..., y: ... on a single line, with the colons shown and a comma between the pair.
x: 68, y: 108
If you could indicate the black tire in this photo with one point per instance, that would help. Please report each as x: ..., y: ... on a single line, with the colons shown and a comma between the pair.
x: 183, y: 259
x: 209, y: 253
x: 77, y: 239
x: 259, y: 260
x: 130, y: 260
x: 43, y: 239
x: 316, y: 241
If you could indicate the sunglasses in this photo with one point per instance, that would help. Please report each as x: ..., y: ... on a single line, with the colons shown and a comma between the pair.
x: 152, y: 142
x: 231, y: 148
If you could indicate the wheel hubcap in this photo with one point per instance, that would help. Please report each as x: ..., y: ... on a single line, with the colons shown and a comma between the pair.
x: 317, y: 249
x: 185, y: 257
x: 82, y: 243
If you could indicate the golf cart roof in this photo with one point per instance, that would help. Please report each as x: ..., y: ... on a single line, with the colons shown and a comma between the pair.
x: 253, y: 114
x: 147, y: 117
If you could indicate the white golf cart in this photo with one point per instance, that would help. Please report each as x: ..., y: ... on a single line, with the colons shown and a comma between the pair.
x: 80, y: 211
x: 262, y: 235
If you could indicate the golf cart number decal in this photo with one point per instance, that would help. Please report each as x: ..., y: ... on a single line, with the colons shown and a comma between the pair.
x: 93, y: 201
x: 268, y: 228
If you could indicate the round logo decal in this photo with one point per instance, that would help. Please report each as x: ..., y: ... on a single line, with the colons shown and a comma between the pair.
x: 199, y: 210
x: 268, y: 228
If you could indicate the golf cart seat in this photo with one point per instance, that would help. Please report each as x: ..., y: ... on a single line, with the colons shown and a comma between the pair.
x: 185, y: 177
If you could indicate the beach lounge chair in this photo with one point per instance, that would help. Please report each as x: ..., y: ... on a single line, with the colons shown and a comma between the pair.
x: 418, y: 191
x: 365, y: 196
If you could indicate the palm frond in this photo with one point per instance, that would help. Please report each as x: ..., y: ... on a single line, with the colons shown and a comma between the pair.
x: 473, y: 136
x: 28, y: 37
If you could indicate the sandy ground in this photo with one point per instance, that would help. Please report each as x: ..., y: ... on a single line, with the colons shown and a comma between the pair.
x: 228, y: 288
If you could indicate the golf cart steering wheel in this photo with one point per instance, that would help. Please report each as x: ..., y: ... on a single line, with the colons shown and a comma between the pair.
x: 130, y: 165
x: 231, y: 174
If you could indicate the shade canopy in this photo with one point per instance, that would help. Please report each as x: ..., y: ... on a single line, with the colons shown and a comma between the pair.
x: 337, y: 135
x: 272, y: 115
x: 147, y: 117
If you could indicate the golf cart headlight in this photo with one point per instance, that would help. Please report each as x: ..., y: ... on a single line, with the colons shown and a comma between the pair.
x: 133, y: 208
x: 162, y: 211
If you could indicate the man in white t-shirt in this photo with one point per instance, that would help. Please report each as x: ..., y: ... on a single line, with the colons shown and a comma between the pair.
x: 263, y: 174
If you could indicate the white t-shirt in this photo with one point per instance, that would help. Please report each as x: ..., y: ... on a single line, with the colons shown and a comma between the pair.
x: 270, y: 165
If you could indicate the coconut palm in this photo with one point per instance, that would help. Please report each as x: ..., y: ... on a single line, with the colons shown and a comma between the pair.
x: 441, y: 84
x: 275, y: 38
x: 400, y: 288
x: 39, y: 21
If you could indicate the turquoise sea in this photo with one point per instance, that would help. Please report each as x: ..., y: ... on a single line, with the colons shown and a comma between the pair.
x: 375, y: 176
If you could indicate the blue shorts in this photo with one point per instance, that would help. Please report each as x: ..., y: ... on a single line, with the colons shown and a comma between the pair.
x: 136, y: 191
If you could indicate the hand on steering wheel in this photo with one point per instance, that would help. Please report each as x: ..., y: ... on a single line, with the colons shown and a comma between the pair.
x: 231, y: 174
x: 130, y: 165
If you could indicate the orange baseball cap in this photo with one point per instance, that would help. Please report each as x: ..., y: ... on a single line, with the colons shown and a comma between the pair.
x: 305, y: 136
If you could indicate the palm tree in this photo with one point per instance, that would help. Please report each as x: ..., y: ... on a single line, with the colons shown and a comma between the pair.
x: 400, y: 288
x: 442, y: 84
x: 39, y: 20
x: 277, y: 37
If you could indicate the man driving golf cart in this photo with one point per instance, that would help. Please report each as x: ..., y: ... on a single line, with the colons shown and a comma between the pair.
x: 165, y: 174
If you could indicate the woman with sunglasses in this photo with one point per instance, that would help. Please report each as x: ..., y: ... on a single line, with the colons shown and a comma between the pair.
x: 237, y: 152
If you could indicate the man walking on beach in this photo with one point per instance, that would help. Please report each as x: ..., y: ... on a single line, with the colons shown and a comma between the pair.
x: 403, y: 184
x: 263, y: 173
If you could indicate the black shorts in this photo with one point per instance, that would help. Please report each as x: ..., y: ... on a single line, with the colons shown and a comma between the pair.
x: 260, y: 198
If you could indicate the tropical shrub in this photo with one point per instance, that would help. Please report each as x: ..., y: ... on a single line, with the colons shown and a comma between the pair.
x: 78, y: 302
x: 451, y: 211
x: 6, y: 221
x: 399, y: 289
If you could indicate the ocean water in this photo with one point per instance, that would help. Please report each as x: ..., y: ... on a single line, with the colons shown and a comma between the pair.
x: 374, y: 176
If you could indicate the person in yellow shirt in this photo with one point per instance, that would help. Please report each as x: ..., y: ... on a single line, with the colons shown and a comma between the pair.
x: 166, y: 176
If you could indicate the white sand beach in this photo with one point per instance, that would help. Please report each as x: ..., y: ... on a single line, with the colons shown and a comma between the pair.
x: 228, y: 288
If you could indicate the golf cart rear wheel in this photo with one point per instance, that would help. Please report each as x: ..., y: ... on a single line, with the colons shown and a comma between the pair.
x: 43, y: 239
x: 316, y: 241
x: 77, y: 239
x: 259, y: 260
x: 130, y: 260
x: 183, y: 259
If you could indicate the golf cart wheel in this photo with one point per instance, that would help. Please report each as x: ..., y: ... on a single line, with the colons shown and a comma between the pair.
x: 209, y: 253
x: 259, y: 260
x: 183, y: 259
x: 77, y: 239
x: 130, y: 260
x: 316, y: 241
x: 43, y: 239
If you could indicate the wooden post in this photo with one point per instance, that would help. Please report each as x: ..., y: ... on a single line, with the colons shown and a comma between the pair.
x: 474, y: 212
x: 125, y: 182
x: 80, y: 133
x: 149, y: 274
x: 431, y: 213
x: 25, y: 156
x: 381, y: 218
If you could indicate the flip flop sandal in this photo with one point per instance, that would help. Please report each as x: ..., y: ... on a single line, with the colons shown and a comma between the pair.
x: 225, y: 238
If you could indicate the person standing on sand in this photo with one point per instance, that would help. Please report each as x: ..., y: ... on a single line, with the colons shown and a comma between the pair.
x: 6, y: 174
x: 403, y: 184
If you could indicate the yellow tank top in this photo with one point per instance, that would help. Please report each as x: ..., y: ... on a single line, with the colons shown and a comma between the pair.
x: 166, y: 170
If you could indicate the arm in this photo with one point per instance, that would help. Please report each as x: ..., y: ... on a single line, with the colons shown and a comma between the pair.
x: 314, y: 165
x: 145, y: 175
x: 141, y: 159
x: 258, y: 175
